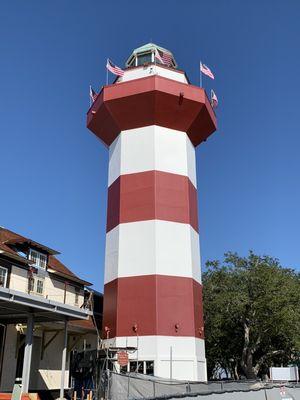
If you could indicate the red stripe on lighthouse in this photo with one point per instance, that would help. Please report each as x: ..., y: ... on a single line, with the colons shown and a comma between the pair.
x: 135, y: 301
x: 154, y: 100
x: 152, y: 195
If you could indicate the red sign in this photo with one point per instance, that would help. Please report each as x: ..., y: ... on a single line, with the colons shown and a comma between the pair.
x: 122, y: 358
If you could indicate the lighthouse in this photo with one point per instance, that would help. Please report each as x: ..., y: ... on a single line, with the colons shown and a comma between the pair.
x: 152, y: 119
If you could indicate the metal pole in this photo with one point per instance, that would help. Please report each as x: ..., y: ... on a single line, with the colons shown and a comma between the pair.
x: 108, y: 384
x: 106, y: 73
x: 63, y: 361
x: 27, y: 354
x: 137, y: 352
x: 188, y: 387
x: 200, y: 75
x: 171, y: 361
x: 128, y: 385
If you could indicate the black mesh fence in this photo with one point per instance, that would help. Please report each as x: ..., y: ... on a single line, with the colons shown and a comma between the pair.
x: 137, y: 386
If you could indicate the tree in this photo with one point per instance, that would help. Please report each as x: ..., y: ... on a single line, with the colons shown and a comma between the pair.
x: 252, y: 314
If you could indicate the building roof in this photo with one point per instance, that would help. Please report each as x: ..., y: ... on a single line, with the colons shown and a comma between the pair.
x: 5, y: 248
x: 10, y: 239
x: 150, y: 46
x: 60, y: 269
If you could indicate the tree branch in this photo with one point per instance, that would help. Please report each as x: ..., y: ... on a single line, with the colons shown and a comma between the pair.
x: 264, y: 357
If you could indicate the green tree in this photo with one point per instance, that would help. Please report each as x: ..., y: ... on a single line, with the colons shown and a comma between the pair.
x: 252, y: 314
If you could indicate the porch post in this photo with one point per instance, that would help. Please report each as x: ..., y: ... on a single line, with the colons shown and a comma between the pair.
x: 27, y: 354
x: 63, y: 360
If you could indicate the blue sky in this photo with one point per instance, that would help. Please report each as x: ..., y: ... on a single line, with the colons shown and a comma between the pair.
x: 54, y: 172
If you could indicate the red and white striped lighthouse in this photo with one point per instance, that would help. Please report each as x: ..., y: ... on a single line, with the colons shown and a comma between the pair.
x: 152, y: 119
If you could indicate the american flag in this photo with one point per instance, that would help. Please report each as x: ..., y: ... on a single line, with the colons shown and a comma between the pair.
x: 213, y: 99
x: 93, y: 94
x: 157, y: 55
x: 114, y: 69
x: 206, y: 71
x: 165, y: 59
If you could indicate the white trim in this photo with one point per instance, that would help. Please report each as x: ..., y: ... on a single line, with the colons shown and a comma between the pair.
x: 142, y: 71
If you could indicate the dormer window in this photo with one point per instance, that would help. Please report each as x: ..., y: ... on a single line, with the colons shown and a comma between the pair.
x: 39, y: 259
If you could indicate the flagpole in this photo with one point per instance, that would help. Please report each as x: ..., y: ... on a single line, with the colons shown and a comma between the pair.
x: 106, y: 73
x: 200, y: 75
x: 90, y: 95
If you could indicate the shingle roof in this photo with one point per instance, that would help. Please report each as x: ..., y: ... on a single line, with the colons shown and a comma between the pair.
x: 58, y: 266
x: 4, y: 247
x: 8, y: 238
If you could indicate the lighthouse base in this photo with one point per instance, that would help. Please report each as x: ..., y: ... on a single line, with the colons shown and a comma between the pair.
x: 181, y: 358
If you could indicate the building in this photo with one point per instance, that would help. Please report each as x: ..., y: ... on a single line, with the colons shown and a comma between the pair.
x: 151, y: 119
x: 45, y: 314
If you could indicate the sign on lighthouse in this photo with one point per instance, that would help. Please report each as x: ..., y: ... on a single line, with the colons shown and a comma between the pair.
x: 151, y: 118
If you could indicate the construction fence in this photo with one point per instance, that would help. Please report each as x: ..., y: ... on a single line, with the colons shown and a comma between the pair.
x: 135, y: 386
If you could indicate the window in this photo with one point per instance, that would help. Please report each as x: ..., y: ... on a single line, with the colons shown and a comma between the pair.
x: 144, y: 58
x: 40, y: 286
x: 140, y: 369
x: 123, y: 369
x: 33, y: 256
x: 43, y: 261
x: 3, y: 277
x: 144, y: 367
x: 36, y: 285
x: 132, y: 366
x: 39, y: 259
x: 77, y: 293
x: 149, y: 367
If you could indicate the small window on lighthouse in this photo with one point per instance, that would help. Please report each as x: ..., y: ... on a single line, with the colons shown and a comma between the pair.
x: 144, y: 58
x: 149, y: 367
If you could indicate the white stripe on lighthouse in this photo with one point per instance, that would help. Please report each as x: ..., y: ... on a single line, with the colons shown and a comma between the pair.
x: 152, y: 247
x: 152, y: 148
x: 188, y: 354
